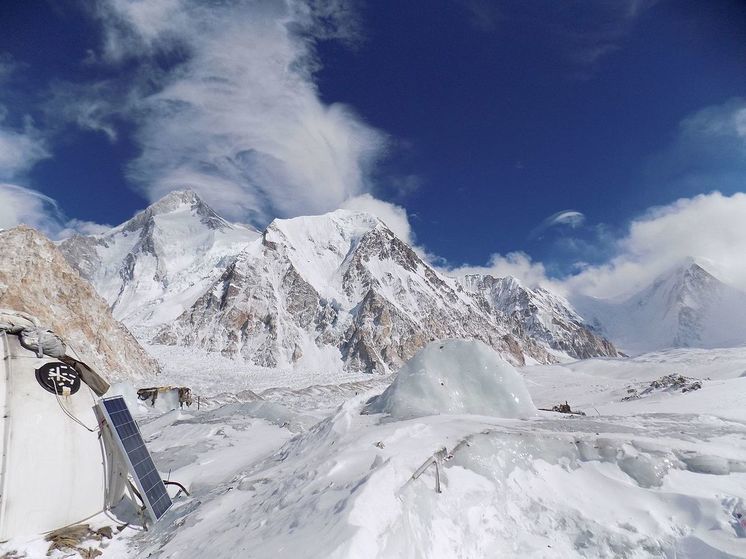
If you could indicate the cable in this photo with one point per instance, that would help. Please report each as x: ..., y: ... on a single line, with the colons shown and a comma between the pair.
x: 167, y: 482
x: 68, y: 414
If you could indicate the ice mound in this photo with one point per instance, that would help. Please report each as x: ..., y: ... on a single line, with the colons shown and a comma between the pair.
x: 455, y: 377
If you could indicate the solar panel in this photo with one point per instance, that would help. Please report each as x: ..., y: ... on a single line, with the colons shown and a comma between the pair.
x: 127, y: 434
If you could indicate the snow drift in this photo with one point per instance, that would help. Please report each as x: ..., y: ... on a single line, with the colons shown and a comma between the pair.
x: 455, y: 377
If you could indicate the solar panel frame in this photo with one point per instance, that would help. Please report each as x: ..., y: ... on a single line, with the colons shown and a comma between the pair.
x: 126, y: 433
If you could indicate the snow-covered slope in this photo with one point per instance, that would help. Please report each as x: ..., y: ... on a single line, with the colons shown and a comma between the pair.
x: 36, y: 278
x: 685, y: 307
x: 158, y: 263
x: 341, y: 290
x: 625, y: 482
x: 303, y: 473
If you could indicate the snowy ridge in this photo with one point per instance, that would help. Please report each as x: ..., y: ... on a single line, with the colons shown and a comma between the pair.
x: 685, y: 307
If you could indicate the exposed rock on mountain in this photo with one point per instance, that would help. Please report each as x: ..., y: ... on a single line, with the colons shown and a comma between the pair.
x: 154, y: 266
x: 538, y: 314
x: 36, y: 278
x: 685, y: 307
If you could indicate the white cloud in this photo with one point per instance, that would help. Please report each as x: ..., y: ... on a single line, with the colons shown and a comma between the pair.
x: 19, y: 151
x: 22, y: 145
x: 19, y: 205
x: 567, y: 218
x: 395, y: 217
x: 711, y: 228
x: 708, y: 227
x: 235, y: 114
x: 25, y: 206
x: 81, y: 227
x: 516, y: 264
x: 708, y: 152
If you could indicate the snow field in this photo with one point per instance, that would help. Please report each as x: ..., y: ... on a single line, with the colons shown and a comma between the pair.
x: 627, y: 484
x: 301, y: 472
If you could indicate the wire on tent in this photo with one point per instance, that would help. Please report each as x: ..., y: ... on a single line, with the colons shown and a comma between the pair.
x: 68, y: 414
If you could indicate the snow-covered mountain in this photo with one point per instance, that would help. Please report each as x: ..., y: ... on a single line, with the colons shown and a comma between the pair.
x: 322, y: 293
x: 35, y: 278
x: 154, y: 266
x: 342, y: 290
x: 684, y: 307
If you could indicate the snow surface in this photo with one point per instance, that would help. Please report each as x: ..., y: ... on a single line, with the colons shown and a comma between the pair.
x: 301, y: 472
x: 455, y: 377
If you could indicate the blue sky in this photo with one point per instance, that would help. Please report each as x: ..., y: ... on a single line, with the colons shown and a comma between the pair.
x: 520, y: 137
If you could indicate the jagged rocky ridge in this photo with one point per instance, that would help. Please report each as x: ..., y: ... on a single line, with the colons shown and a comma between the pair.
x: 35, y: 278
x: 537, y: 314
x: 330, y: 291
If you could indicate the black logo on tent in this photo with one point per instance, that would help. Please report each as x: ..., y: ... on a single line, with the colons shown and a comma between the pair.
x: 55, y: 377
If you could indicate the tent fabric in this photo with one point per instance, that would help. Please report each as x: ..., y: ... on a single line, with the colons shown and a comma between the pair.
x: 14, y: 321
x: 51, y: 474
x: 43, y: 342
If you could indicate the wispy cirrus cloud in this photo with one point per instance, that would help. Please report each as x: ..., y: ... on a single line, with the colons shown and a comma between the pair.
x: 583, y: 33
x: 708, y: 151
x: 223, y: 99
x: 25, y: 206
x: 565, y: 218
x: 20, y: 149
x: 22, y: 146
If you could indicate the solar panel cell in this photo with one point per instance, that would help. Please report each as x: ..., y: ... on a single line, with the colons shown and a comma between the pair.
x: 140, y: 463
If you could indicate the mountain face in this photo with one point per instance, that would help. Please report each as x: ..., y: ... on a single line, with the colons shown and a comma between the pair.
x: 35, y: 278
x: 154, y: 266
x: 323, y: 293
x: 538, y: 314
x: 685, y: 307
x: 342, y: 290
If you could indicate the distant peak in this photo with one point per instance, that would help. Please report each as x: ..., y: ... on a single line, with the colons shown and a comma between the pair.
x: 694, y: 266
x: 176, y: 201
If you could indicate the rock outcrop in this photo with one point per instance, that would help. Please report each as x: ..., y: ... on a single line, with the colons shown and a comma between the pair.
x: 36, y: 278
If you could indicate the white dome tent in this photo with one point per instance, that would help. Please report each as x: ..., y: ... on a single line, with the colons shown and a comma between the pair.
x: 58, y: 466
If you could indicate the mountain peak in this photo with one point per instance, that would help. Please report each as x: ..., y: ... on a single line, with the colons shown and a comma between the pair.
x: 173, y: 202
x: 694, y: 265
x: 176, y: 199
x: 337, y: 219
x: 686, y: 275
